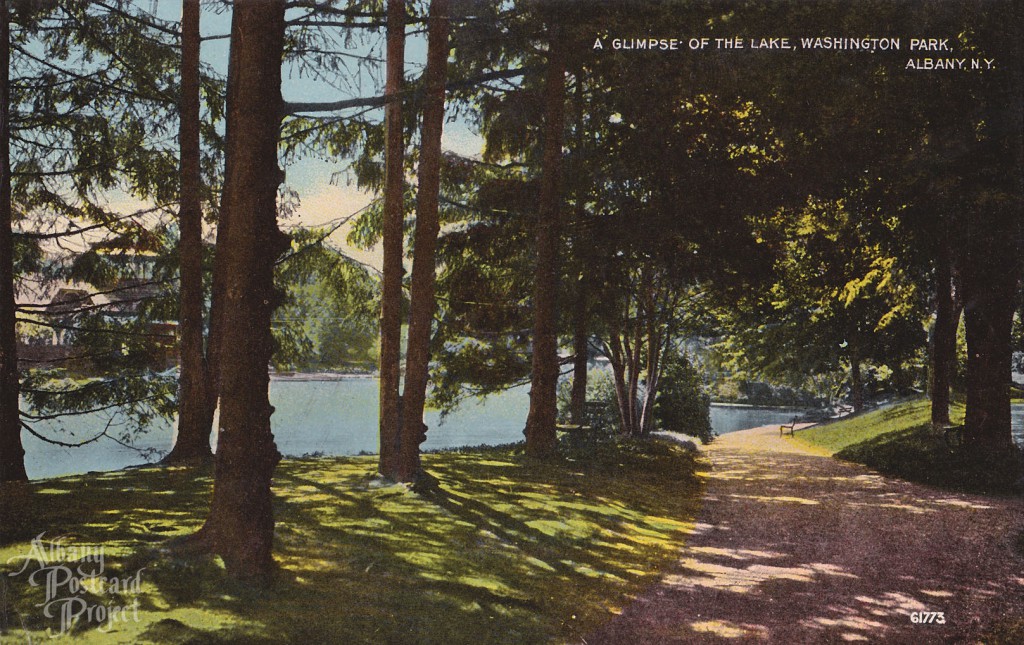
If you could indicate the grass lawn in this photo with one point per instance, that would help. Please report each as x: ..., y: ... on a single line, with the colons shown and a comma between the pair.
x: 899, y: 441
x: 508, y: 551
x: 837, y: 435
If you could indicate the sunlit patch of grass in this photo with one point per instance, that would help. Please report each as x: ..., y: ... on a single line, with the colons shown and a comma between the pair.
x: 900, y: 441
x: 841, y: 434
x: 507, y: 550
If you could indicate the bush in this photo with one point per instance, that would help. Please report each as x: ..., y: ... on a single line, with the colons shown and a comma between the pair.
x: 602, y: 411
x: 683, y: 404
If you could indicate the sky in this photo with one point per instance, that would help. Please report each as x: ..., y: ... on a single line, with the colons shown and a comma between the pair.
x: 327, y: 193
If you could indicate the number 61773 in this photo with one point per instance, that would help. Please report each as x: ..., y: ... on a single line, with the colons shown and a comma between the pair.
x: 928, y: 617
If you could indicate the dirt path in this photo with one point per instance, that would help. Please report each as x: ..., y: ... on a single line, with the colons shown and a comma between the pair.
x: 793, y: 547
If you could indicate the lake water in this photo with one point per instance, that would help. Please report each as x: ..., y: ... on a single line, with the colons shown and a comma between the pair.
x: 339, y: 417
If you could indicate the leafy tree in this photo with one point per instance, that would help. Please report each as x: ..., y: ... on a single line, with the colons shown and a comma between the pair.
x: 838, y: 300
x: 84, y: 121
x: 327, y: 319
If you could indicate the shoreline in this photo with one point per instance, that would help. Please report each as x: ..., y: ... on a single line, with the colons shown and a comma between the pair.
x: 321, y: 376
x: 757, y: 406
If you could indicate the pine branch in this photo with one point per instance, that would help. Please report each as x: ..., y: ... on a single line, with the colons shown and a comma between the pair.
x: 162, y: 28
x: 89, y: 296
x: 116, y: 332
x: 64, y: 444
x: 292, y: 108
x: 57, y: 415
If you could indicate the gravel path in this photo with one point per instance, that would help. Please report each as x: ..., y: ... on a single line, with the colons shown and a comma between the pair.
x: 795, y: 547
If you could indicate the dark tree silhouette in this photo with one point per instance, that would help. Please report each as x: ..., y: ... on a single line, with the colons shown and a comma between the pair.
x: 12, y: 455
x: 421, y: 316
x: 541, y: 440
x: 240, y: 525
x: 394, y: 207
x: 193, y: 442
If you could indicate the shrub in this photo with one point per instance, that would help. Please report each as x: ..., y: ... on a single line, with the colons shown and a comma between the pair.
x: 683, y: 404
x: 602, y: 412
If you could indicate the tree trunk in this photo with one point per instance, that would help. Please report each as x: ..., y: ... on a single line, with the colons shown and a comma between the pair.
x: 655, y: 356
x: 633, y: 358
x: 240, y: 525
x: 541, y: 440
x: 988, y: 319
x: 421, y: 318
x: 856, y: 383
x: 578, y: 397
x: 394, y: 210
x: 619, y: 379
x: 12, y: 455
x: 193, y: 442
x: 647, y: 310
x: 943, y: 337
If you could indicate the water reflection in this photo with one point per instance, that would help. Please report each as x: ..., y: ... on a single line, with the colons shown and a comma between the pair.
x: 340, y: 418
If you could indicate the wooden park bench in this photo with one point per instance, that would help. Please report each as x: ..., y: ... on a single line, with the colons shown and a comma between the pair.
x: 953, y: 436
x: 788, y: 427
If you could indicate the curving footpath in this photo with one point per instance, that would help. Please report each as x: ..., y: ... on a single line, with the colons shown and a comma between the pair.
x: 796, y: 547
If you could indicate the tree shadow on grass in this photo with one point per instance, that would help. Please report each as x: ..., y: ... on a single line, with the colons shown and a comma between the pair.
x: 921, y: 454
x: 507, y: 551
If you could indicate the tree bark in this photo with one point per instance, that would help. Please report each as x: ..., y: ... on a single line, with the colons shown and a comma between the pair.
x: 240, y: 525
x: 422, y: 306
x: 394, y: 209
x: 633, y: 357
x: 988, y: 319
x: 578, y: 397
x: 193, y: 441
x: 541, y: 440
x: 653, y: 369
x: 12, y: 454
x: 619, y: 379
x: 943, y: 337
x: 856, y: 384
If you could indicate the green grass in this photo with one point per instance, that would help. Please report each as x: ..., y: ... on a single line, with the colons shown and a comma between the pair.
x: 508, y: 551
x: 900, y: 441
x: 837, y: 435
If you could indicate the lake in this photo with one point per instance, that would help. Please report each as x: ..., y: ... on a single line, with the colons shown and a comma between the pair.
x: 339, y: 417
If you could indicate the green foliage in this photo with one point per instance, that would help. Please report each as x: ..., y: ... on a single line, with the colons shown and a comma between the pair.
x: 481, y: 344
x: 601, y: 410
x: 94, y: 96
x: 508, y: 550
x: 836, y: 297
x: 118, y: 333
x: 766, y: 394
x: 329, y: 319
x: 683, y: 403
x: 131, y: 400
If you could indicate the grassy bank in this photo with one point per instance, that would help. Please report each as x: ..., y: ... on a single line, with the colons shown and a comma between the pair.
x: 899, y: 441
x: 508, y: 551
x: 839, y: 435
